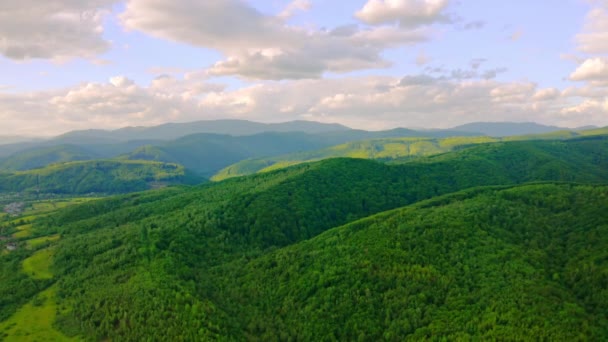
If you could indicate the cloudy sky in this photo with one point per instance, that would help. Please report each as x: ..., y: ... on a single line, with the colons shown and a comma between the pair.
x: 372, y: 64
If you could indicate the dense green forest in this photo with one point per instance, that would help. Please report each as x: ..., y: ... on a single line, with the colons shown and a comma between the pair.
x: 523, y: 263
x: 297, y: 253
x: 99, y: 176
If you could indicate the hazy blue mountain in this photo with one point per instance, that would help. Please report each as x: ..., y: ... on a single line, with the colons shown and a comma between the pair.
x: 208, y: 153
x: 9, y: 149
x: 40, y: 157
x: 14, y: 139
x: 503, y: 129
x: 341, y: 137
x: 172, y: 131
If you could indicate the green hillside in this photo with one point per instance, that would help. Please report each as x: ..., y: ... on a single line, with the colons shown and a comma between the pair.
x: 524, y: 263
x: 382, y: 149
x: 208, y: 262
x: 100, y: 176
x: 390, y: 149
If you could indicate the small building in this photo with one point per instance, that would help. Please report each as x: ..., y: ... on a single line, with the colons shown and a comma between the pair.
x: 14, y: 209
x: 11, y: 246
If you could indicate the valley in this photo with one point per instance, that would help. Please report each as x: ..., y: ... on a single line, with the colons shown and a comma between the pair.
x: 497, y: 238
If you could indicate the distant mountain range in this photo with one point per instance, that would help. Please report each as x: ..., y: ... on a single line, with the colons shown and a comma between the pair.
x: 171, y: 131
x: 504, y: 129
x: 14, y: 139
x: 206, y: 147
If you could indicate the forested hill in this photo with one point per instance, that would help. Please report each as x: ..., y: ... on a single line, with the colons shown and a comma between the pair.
x: 525, y: 263
x: 100, y: 176
x: 195, y: 263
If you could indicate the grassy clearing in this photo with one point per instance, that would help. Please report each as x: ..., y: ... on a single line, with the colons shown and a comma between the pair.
x: 34, y: 243
x: 34, y: 321
x: 23, y: 231
x: 23, y: 220
x: 38, y: 265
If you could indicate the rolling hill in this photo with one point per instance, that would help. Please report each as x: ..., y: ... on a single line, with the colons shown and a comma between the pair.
x: 208, y: 153
x: 381, y: 149
x: 504, y: 129
x: 209, y: 262
x: 205, y: 153
x: 522, y: 263
x: 387, y: 149
x: 99, y: 176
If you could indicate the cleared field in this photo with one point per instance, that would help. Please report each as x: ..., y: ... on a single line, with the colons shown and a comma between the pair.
x: 34, y: 321
x: 38, y: 265
x: 23, y: 231
x: 33, y: 243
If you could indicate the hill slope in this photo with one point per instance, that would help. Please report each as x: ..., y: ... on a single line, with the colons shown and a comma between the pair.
x: 387, y: 149
x: 381, y: 149
x: 503, y: 129
x: 100, y: 176
x: 526, y: 263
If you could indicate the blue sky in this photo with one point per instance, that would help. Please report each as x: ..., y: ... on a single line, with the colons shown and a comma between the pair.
x: 372, y: 64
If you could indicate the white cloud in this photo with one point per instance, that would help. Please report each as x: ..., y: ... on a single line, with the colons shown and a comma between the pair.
x: 227, y: 25
x: 295, y: 6
x: 363, y: 102
x: 52, y: 29
x: 259, y: 46
x: 594, y: 38
x: 335, y: 51
x: 408, y: 13
x: 118, y: 103
x: 384, y: 102
x: 590, y: 110
x: 594, y: 70
x: 546, y: 94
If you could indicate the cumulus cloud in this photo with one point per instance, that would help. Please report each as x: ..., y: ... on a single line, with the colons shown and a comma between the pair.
x: 342, y: 50
x: 384, y: 102
x: 368, y: 102
x: 594, y: 70
x: 52, y: 29
x: 295, y: 6
x: 260, y: 46
x: 408, y: 13
x: 546, y: 94
x: 592, y: 110
x: 594, y: 38
x: 119, y: 102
